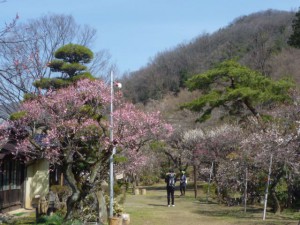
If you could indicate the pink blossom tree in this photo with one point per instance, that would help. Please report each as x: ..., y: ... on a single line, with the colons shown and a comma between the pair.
x: 275, y: 155
x: 137, y: 128
x: 69, y: 127
x: 212, y: 145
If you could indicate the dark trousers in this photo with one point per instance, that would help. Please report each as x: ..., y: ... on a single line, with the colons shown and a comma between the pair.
x: 170, y: 195
x: 182, y: 188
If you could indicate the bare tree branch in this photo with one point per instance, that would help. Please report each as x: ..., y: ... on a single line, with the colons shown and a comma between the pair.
x: 26, y: 49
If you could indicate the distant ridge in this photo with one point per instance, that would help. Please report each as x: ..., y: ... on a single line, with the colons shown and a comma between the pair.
x: 258, y: 40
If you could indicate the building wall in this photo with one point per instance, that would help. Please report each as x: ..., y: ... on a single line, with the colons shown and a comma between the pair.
x: 37, y: 181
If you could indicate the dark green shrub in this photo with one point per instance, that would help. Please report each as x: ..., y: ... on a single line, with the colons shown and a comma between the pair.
x: 55, y: 219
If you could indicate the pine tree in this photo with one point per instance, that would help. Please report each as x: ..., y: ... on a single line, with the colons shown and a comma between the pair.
x: 70, y: 60
x: 294, y: 39
x: 235, y: 88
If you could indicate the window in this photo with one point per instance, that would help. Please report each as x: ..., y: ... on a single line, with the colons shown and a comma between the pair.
x: 10, y: 175
x: 5, y: 176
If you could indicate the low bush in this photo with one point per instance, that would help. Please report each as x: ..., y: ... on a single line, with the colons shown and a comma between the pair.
x: 55, y: 219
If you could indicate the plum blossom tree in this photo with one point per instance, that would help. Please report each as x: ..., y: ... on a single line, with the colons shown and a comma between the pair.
x: 133, y: 125
x: 193, y: 142
x: 68, y: 127
x: 175, y: 150
x: 275, y: 154
x: 213, y: 145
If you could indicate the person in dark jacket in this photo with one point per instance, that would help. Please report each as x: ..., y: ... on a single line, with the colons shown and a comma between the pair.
x: 182, y: 183
x: 170, y: 181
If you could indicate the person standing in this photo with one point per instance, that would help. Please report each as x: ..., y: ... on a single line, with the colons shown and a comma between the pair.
x: 170, y: 181
x: 182, y: 183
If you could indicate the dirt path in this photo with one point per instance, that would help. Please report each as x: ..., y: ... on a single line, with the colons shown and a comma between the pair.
x: 151, y: 209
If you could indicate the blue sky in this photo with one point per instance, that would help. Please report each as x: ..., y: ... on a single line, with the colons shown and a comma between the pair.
x: 134, y: 31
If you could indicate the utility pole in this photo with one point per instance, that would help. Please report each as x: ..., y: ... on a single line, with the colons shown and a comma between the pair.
x: 111, y: 158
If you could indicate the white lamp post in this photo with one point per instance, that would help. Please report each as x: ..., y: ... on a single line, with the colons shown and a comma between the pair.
x: 111, y: 158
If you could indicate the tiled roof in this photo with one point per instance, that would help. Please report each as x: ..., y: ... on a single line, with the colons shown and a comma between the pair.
x: 7, y: 149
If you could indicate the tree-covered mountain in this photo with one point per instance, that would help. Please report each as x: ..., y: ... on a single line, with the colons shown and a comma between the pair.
x: 258, y: 40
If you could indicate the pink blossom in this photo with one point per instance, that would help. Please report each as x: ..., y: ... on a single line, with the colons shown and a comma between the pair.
x: 63, y: 121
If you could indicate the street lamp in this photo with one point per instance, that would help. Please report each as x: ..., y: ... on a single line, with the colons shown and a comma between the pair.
x: 111, y: 158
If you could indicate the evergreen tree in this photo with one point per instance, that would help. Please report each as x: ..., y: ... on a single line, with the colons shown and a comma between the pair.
x: 235, y: 88
x: 70, y: 60
x: 294, y: 39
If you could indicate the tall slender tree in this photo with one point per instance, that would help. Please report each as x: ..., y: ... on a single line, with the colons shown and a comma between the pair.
x: 294, y: 39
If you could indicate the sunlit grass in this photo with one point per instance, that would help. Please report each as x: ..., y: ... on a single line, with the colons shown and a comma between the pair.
x: 152, y: 209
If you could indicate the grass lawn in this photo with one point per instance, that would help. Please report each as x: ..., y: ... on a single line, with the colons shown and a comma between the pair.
x: 151, y: 209
x: 22, y: 219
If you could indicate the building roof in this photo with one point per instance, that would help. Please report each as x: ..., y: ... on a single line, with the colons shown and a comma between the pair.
x: 2, y: 155
x: 7, y: 149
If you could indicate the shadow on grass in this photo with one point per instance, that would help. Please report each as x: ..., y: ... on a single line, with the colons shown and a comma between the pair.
x: 154, y: 188
x: 163, y: 187
x: 213, y: 209
x: 159, y: 205
x: 225, y: 213
x: 161, y: 197
x: 238, y: 212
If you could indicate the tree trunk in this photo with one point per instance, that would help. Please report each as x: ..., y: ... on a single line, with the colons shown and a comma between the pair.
x: 134, y: 182
x: 102, y: 207
x: 195, y: 181
x: 277, y: 207
x: 209, y: 181
x: 246, y: 190
x: 76, y: 194
x: 137, y: 180
x: 289, y: 202
x: 133, y: 186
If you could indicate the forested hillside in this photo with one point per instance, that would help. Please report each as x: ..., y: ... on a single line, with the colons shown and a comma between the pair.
x: 258, y: 41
